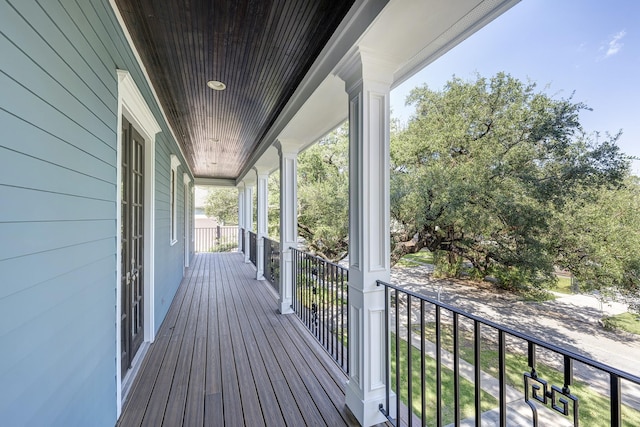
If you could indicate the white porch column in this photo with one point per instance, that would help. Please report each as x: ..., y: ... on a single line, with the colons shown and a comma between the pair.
x: 240, y: 215
x: 368, y: 82
x: 263, y: 212
x: 288, y: 153
x: 248, y: 220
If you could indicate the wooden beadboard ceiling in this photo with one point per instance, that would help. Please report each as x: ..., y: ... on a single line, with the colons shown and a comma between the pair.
x: 261, y: 49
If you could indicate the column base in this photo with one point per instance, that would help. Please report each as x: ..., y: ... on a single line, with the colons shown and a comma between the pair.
x: 285, y: 308
x: 366, y: 411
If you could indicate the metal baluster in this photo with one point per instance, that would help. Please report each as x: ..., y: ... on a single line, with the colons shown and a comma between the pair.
x: 422, y: 367
x: 397, y: 339
x: 456, y: 371
x: 387, y: 350
x: 347, y: 323
x: 438, y: 370
x: 568, y: 382
x: 534, y: 375
x: 331, y: 289
x: 410, y: 362
x: 294, y: 261
x: 616, y: 400
x: 502, y: 378
x: 477, y: 371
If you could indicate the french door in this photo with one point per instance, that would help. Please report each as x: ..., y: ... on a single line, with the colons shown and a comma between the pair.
x: 132, y: 245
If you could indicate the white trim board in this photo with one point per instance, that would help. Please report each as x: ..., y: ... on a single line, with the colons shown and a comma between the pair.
x: 132, y: 105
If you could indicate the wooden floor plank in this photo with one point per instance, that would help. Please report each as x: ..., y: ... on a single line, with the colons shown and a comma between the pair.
x: 194, y: 410
x: 177, y: 401
x: 232, y: 405
x: 254, y: 342
x: 213, y: 381
x: 304, y: 399
x: 313, y: 402
x: 286, y: 401
x: 163, y: 387
x: 320, y: 367
x: 138, y: 399
x: 136, y: 405
x: 225, y: 357
x: 239, y: 343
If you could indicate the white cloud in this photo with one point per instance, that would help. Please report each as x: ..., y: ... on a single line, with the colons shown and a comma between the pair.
x: 614, y: 44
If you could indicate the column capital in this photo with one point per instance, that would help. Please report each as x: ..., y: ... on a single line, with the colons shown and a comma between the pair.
x: 289, y: 146
x: 261, y: 171
x: 364, y: 65
x: 248, y: 181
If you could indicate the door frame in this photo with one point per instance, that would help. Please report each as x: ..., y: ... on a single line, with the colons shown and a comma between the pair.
x: 132, y: 105
x: 187, y: 221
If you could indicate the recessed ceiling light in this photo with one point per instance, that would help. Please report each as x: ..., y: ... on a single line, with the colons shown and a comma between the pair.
x: 216, y: 85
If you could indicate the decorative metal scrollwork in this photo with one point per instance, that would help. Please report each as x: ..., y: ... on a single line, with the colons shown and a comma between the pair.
x: 538, y: 390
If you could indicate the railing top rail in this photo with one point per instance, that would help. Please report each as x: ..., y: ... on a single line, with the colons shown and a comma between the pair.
x: 320, y: 259
x: 575, y: 356
x: 272, y: 240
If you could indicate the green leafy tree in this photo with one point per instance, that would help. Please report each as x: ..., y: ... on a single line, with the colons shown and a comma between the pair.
x: 597, y: 236
x: 274, y: 205
x: 483, y: 170
x: 323, y: 196
x: 222, y: 204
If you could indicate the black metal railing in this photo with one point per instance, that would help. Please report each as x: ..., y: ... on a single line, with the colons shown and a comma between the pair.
x: 445, y: 365
x: 271, y: 262
x: 321, y: 299
x: 242, y: 244
x: 216, y: 239
x: 253, y: 247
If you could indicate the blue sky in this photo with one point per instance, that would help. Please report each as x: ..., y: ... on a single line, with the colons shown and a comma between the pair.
x: 591, y: 47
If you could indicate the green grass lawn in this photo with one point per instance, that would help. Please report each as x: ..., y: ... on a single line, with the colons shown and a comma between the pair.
x: 626, y: 321
x: 417, y: 259
x: 593, y: 407
x: 467, y: 390
x: 563, y: 285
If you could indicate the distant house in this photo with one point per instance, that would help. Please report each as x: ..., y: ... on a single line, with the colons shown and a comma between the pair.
x: 201, y: 219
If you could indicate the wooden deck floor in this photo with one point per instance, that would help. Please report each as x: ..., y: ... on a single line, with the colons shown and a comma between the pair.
x: 224, y: 356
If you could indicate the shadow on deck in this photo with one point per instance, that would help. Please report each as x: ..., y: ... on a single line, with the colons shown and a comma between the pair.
x: 224, y: 356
